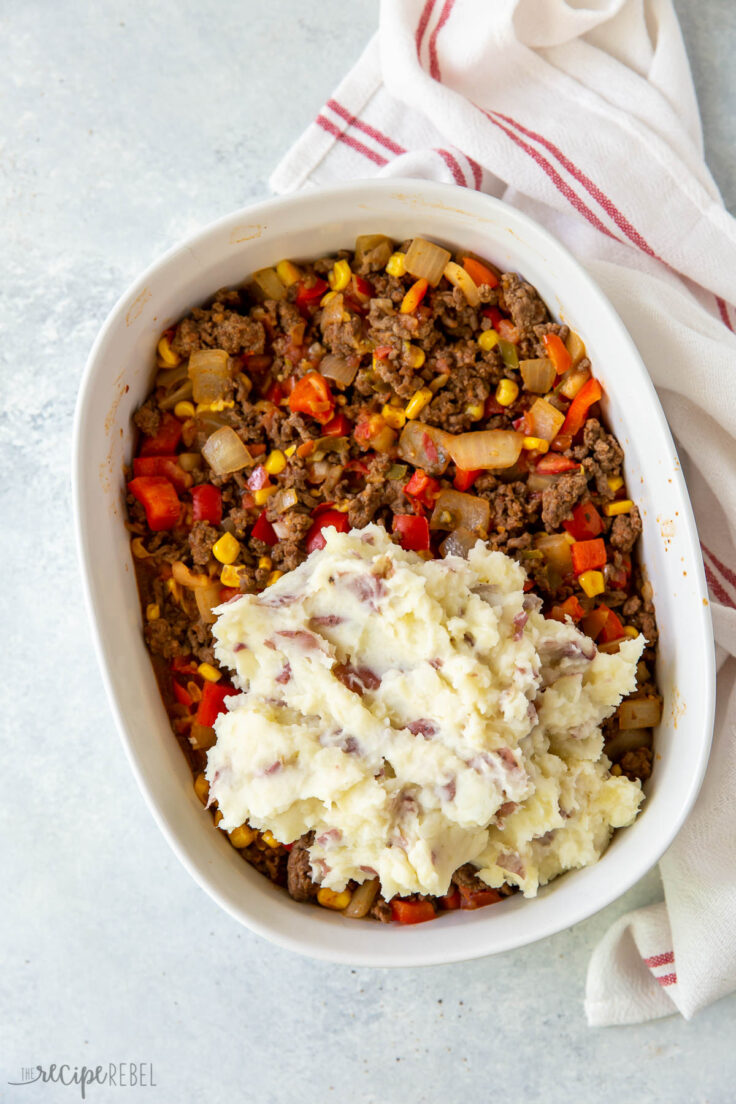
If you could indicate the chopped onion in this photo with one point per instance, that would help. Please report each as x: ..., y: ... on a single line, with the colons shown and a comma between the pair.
x: 283, y: 500
x: 188, y: 578
x: 171, y: 377
x: 269, y: 284
x: 427, y: 261
x: 225, y: 452
x: 538, y: 374
x: 627, y: 739
x: 455, y: 510
x: 207, y: 598
x: 556, y: 550
x: 341, y: 369
x: 640, y: 712
x: 544, y: 419
x: 189, y: 460
x: 459, y: 543
x: 425, y: 446
x: 486, y: 448
x: 209, y: 371
x: 538, y: 482
x: 183, y: 392
x: 202, y: 737
x: 572, y: 381
x: 459, y: 278
x: 575, y: 347
x: 373, y: 250
x: 362, y: 899
x: 332, y: 312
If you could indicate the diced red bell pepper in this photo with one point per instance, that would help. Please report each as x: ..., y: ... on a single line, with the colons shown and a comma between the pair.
x: 476, y: 898
x: 258, y: 478
x: 412, y: 912
x: 594, y: 621
x: 182, y: 696
x: 168, y: 466
x: 585, y: 522
x: 207, y: 503
x: 166, y: 438
x: 494, y: 314
x: 492, y: 406
x: 479, y: 273
x: 557, y: 353
x: 360, y: 467
x: 312, y: 395
x: 554, y: 464
x: 451, y: 900
x: 465, y: 479
x: 612, y: 627
x: 382, y: 351
x: 183, y: 665
x: 423, y: 488
x: 213, y: 702
x: 339, y: 426
x: 589, y: 393
x: 335, y: 518
x: 507, y: 331
x: 413, y: 532
x: 310, y: 296
x: 361, y: 288
x: 275, y: 392
x: 570, y: 607
x: 264, y: 531
x: 159, y: 499
x: 588, y: 555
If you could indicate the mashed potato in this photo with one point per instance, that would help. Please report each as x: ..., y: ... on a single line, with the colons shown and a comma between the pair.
x: 418, y: 715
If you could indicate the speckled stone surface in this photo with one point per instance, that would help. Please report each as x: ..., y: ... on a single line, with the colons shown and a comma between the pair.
x: 126, y: 126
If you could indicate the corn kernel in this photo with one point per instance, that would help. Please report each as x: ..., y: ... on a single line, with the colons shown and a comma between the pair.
x: 153, y: 611
x: 167, y: 354
x: 623, y: 506
x: 274, y: 577
x: 538, y: 444
x: 174, y: 589
x: 474, y: 411
x: 507, y: 392
x: 592, y: 583
x: 275, y: 463
x: 202, y: 788
x: 226, y: 549
x: 230, y: 576
x: 184, y: 410
x: 331, y: 900
x: 615, y: 483
x: 438, y: 382
x: 263, y: 494
x: 221, y: 404
x: 327, y: 298
x: 264, y: 562
x: 208, y: 672
x: 393, y: 416
x: 194, y: 691
x: 340, y: 276
x: 269, y: 839
x: 487, y: 340
x: 415, y: 355
x: 396, y: 264
x: 288, y: 273
x: 290, y: 451
x: 242, y: 836
x: 630, y: 631
x: 418, y: 401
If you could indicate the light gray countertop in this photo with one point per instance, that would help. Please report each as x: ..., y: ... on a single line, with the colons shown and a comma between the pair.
x: 126, y: 126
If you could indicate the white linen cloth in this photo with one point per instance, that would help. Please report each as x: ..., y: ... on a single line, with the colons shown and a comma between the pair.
x: 583, y: 114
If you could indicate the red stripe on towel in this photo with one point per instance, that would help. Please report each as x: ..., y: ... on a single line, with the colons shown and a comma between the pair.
x: 667, y: 979
x: 424, y: 19
x: 354, y: 121
x: 717, y: 589
x: 726, y: 572
x: 477, y: 172
x: 454, y: 167
x: 660, y: 959
x: 723, y: 311
x: 354, y: 144
x: 434, y: 65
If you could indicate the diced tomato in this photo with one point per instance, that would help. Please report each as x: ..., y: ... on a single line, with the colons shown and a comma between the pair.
x: 570, y: 607
x: 594, y: 622
x: 359, y: 466
x: 587, y: 555
x: 309, y: 296
x: 158, y: 498
x: 612, y: 628
x: 521, y: 425
x: 413, y: 532
x: 476, y: 898
x: 479, y: 273
x: 247, y: 500
x: 589, y: 393
x: 312, y: 395
x: 465, y: 479
x: 166, y: 439
x: 362, y: 288
x: 422, y: 488
x: 554, y: 464
x: 585, y: 522
x: 508, y: 331
x: 207, y: 503
x: 256, y: 449
x: 494, y: 314
x: 412, y: 912
x: 258, y: 478
x: 617, y: 578
x: 382, y: 351
x: 339, y: 426
x: 228, y: 593
x: 182, y: 696
x: 213, y: 702
x: 492, y: 406
x: 557, y: 352
x: 168, y: 466
x: 451, y: 900
x: 183, y: 665
x: 264, y: 531
x: 327, y: 518
x: 275, y: 392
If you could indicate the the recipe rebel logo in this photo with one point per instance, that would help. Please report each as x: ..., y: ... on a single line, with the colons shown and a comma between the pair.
x: 117, y: 1075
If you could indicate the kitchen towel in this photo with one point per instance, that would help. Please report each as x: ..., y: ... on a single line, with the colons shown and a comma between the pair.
x: 585, y: 117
